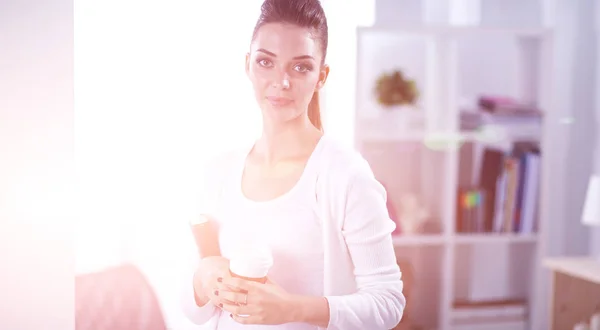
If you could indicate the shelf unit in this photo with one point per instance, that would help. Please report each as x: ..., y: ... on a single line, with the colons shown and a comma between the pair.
x: 457, y: 31
x: 475, y: 238
x: 433, y: 57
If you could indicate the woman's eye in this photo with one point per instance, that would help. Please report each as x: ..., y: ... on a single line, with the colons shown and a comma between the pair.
x: 264, y: 63
x: 302, y: 68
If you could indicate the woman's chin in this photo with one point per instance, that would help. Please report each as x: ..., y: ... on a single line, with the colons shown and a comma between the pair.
x: 283, y: 117
x: 278, y: 108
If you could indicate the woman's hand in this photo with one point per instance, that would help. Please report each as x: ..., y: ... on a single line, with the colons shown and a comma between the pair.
x: 205, y: 278
x: 262, y: 304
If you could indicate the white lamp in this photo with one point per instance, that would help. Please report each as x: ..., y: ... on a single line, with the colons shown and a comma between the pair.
x: 591, y: 207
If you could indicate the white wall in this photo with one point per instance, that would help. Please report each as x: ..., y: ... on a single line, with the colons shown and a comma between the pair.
x: 595, y: 232
x: 581, y: 140
x: 575, y: 59
x: 36, y: 165
x: 514, y: 13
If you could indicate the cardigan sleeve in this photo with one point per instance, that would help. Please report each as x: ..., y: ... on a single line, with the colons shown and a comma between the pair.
x: 196, y: 314
x: 206, y: 205
x: 378, y: 302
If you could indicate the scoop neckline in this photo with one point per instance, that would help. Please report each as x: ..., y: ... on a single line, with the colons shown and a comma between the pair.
x: 305, y: 172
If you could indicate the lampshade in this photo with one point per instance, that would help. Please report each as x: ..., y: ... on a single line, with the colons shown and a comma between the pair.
x: 591, y: 208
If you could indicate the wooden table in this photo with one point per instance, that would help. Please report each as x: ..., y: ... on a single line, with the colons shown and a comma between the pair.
x: 575, y: 290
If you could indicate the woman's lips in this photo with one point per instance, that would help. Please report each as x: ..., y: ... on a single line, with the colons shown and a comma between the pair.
x: 279, y: 101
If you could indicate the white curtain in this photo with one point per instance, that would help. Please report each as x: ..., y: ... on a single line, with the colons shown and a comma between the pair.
x: 160, y: 87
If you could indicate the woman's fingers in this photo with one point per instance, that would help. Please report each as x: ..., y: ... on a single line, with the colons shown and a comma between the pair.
x: 250, y: 319
x: 232, y: 297
x: 212, y: 295
x: 223, y: 294
x: 238, y: 284
x: 238, y: 309
x: 213, y: 289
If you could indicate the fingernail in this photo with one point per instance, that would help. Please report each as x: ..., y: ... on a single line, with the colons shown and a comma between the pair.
x: 216, y: 293
x: 219, y: 279
x: 231, y: 315
x: 220, y: 305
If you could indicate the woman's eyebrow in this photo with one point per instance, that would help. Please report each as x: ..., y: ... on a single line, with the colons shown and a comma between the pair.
x: 301, y: 57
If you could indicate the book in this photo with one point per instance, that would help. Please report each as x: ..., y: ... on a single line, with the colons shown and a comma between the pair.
x: 489, y: 315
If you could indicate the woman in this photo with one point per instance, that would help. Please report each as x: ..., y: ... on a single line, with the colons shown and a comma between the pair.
x: 336, y: 272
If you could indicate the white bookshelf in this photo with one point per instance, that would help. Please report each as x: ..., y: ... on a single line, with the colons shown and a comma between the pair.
x: 435, y: 57
x: 500, y: 133
x: 509, y: 238
x: 457, y: 31
x: 419, y: 240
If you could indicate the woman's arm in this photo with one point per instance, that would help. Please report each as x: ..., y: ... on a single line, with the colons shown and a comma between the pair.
x: 206, y: 263
x: 195, y: 304
x: 312, y: 310
x: 378, y: 302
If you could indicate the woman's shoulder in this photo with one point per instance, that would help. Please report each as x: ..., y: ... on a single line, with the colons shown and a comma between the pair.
x: 343, y: 161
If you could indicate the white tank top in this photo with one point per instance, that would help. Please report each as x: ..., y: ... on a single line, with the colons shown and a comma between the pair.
x: 289, y: 226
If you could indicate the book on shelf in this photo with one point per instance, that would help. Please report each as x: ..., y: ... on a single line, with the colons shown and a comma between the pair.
x: 464, y: 309
x: 492, y: 110
x: 496, y: 314
x: 470, y: 216
x: 507, y: 106
x: 509, y: 184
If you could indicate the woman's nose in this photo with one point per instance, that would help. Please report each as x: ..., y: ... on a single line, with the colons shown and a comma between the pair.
x: 282, y: 81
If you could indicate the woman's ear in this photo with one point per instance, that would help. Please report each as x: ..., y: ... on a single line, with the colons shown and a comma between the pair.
x: 247, y: 63
x: 323, y: 74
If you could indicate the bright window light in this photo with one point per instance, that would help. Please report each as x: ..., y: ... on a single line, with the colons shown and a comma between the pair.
x: 160, y: 87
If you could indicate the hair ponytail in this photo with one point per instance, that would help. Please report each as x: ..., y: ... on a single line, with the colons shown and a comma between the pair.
x: 314, y: 111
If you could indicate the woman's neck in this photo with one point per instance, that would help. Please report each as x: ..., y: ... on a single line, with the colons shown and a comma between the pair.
x: 292, y: 140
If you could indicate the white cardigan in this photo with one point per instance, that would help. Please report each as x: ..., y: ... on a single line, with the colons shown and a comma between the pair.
x: 362, y: 280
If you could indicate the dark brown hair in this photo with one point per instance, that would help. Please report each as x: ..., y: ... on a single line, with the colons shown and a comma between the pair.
x: 303, y: 13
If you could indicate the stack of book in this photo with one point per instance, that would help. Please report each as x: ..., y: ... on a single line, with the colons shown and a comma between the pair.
x: 505, y: 199
x: 497, y: 110
x: 493, y: 315
x: 504, y: 196
x: 506, y: 106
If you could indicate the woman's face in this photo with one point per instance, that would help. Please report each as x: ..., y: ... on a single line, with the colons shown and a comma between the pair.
x: 284, y: 66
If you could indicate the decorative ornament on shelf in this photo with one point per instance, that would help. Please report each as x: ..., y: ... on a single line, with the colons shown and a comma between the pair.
x: 394, y: 89
x: 413, y: 215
